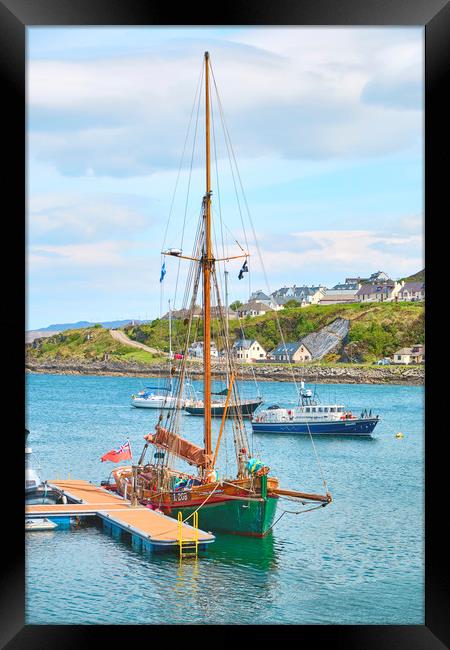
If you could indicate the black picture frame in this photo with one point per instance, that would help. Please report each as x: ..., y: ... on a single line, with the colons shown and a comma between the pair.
x: 15, y: 17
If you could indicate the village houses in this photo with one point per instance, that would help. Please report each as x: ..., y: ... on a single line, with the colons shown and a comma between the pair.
x: 304, y: 295
x: 260, y: 296
x: 196, y: 350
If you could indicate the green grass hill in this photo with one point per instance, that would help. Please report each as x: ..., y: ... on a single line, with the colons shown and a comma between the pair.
x: 376, y: 330
x: 84, y: 344
x: 416, y: 277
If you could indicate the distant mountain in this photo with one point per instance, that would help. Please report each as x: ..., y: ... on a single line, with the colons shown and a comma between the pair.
x: 61, y: 327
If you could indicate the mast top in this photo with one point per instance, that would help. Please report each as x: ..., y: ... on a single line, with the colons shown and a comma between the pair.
x: 206, y: 55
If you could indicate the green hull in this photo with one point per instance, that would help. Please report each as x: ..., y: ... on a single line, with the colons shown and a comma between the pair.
x: 252, y: 517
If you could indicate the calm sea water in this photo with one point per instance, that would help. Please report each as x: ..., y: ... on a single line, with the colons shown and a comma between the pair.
x: 358, y: 561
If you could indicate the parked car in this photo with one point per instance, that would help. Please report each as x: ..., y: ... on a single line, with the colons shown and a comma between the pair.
x: 383, y: 362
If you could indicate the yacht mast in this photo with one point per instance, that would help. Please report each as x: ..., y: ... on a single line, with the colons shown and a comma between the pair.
x: 170, y: 333
x: 207, y: 264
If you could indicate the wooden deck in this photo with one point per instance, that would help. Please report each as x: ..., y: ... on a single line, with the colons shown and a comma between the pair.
x: 148, y: 525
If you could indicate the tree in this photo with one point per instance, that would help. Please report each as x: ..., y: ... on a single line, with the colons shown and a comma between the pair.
x: 235, y: 305
x: 291, y: 303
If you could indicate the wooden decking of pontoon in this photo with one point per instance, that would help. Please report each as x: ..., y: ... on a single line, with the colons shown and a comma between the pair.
x: 154, y: 527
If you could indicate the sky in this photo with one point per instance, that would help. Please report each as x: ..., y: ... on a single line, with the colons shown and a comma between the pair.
x: 325, y: 124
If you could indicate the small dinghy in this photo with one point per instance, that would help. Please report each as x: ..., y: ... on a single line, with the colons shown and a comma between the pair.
x: 40, y: 524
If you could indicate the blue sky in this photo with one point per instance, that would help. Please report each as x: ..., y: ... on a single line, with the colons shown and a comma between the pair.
x: 326, y: 125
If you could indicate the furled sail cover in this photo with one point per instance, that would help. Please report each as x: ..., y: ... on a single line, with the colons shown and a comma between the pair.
x: 165, y: 439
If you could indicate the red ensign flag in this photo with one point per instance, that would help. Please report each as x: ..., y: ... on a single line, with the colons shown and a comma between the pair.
x: 116, y: 455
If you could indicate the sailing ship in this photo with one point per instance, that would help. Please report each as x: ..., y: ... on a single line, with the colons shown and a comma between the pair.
x: 310, y: 416
x: 244, y: 503
x: 246, y: 406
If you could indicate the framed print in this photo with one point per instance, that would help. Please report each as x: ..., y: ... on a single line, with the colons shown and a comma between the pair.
x: 233, y: 372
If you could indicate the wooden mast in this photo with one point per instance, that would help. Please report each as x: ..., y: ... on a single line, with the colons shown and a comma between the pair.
x: 207, y: 262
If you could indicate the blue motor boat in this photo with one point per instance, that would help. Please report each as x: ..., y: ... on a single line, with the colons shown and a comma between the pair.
x: 312, y: 417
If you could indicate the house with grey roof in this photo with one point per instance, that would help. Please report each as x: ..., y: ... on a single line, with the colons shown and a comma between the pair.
x: 260, y: 296
x: 292, y: 352
x: 339, y: 295
x: 379, y: 292
x: 378, y: 276
x: 181, y: 314
x: 248, y: 350
x: 253, y: 308
x: 412, y: 291
x: 415, y: 354
x: 346, y: 286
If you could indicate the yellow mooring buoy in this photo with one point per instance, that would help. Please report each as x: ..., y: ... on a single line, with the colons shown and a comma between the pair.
x: 399, y: 435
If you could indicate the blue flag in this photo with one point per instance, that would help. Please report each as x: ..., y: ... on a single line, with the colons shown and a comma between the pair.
x: 243, y: 270
x: 163, y: 272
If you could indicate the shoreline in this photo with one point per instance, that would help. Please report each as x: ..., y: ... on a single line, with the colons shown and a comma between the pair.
x: 404, y: 375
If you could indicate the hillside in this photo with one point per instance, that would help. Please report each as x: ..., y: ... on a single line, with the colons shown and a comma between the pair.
x: 416, y: 277
x: 376, y: 329
x: 86, y: 344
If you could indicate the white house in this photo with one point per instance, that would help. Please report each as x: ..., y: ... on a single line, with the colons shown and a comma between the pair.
x: 293, y: 352
x: 248, y: 350
x: 260, y: 296
x: 382, y: 292
x: 416, y: 354
x: 412, y: 291
x: 378, y: 276
x: 253, y: 308
x: 196, y: 349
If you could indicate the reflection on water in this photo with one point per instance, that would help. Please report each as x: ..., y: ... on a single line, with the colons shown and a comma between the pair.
x: 258, y: 552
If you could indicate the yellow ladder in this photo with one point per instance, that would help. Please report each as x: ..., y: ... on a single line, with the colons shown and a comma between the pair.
x: 188, y: 547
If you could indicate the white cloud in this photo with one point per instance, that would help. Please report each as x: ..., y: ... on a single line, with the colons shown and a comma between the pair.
x: 78, y: 256
x: 314, y: 93
x: 340, y: 252
x: 59, y: 218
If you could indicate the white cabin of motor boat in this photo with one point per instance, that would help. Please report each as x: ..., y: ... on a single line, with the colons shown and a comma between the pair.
x: 32, y: 478
x: 150, y: 400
